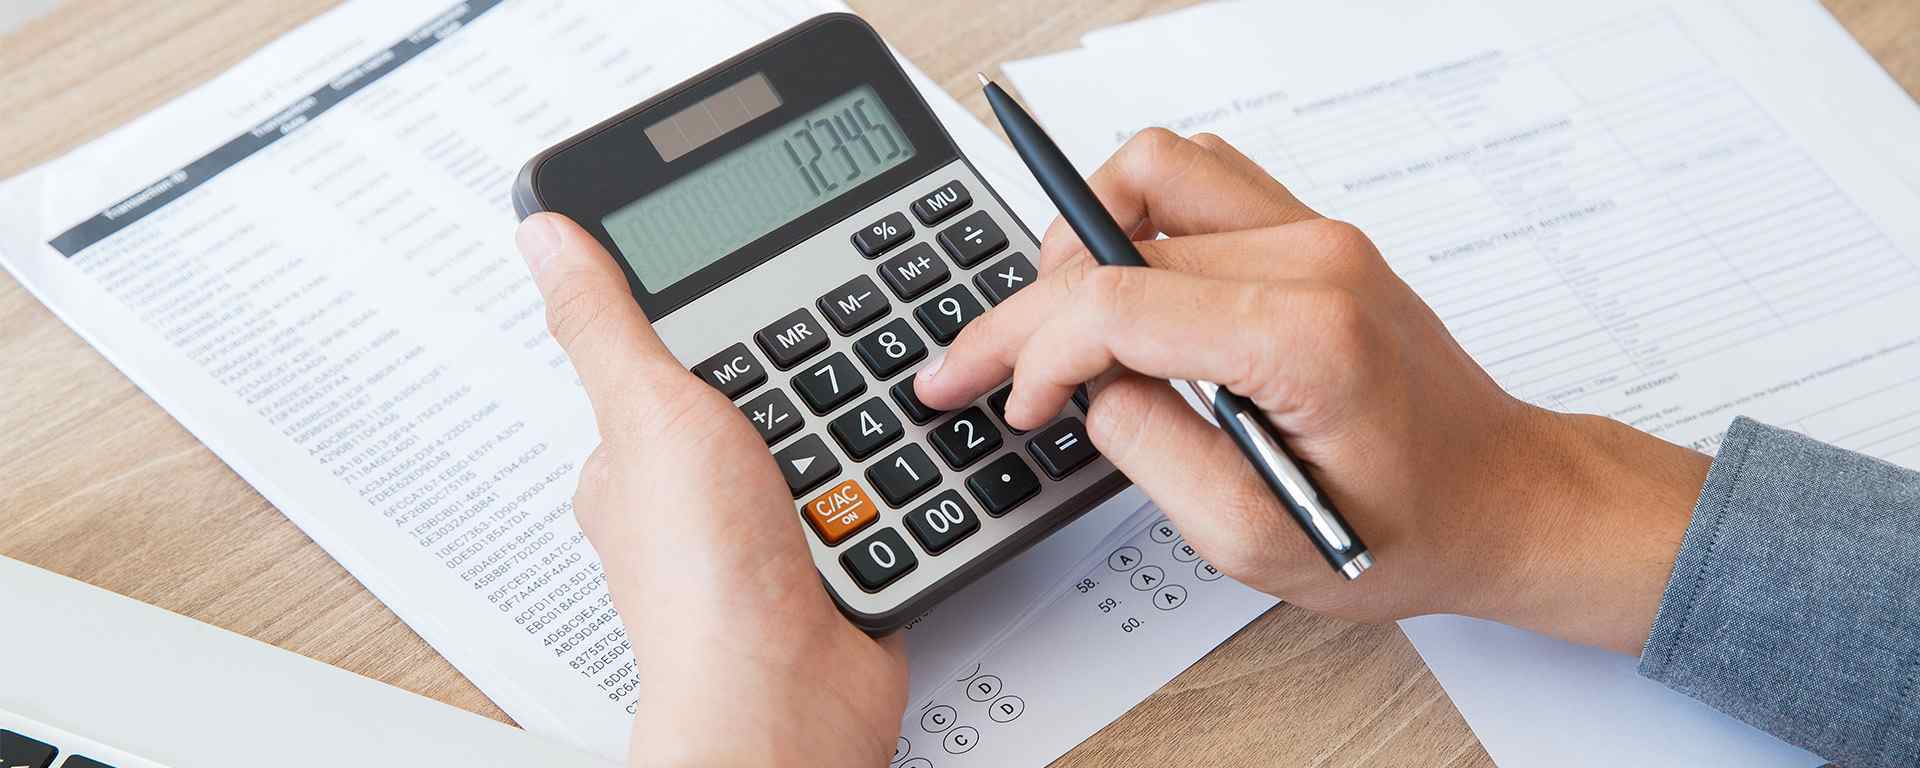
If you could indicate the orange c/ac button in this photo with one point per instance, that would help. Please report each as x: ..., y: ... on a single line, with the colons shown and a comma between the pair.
x: 839, y: 512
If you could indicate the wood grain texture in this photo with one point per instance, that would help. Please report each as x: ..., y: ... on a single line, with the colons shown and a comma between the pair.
x: 98, y: 483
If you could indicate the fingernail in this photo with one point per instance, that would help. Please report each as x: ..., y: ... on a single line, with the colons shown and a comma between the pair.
x: 932, y: 368
x: 538, y: 242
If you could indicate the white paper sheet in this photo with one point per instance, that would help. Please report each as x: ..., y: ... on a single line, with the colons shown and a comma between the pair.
x: 1665, y: 213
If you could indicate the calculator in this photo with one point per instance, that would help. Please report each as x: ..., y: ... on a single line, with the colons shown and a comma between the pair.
x: 803, y: 234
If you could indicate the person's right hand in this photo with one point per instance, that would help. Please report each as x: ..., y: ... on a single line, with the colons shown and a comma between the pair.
x: 1471, y: 501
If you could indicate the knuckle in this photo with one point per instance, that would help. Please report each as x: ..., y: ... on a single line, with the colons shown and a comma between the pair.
x: 1118, y: 417
x: 1209, y: 139
x: 1341, y: 240
x: 1105, y: 291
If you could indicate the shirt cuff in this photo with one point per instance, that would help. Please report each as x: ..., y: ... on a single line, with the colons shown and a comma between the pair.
x: 1794, y: 602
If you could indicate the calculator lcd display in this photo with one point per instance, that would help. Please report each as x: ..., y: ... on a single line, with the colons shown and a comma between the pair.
x: 741, y: 196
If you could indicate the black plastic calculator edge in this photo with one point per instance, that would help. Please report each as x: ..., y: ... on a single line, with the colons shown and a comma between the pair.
x: 526, y: 202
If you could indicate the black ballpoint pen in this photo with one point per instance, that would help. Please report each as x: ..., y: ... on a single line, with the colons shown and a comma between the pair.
x: 1238, y: 416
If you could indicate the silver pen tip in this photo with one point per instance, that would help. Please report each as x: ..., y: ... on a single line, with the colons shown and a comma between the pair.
x: 983, y: 79
x: 1358, y: 565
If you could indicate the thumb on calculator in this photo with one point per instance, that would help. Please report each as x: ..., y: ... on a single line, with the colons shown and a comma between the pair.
x: 702, y: 547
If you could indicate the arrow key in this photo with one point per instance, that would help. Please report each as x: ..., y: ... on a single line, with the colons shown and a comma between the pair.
x: 806, y: 463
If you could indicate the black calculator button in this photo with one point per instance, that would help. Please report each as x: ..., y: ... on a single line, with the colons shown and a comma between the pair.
x: 866, y: 429
x: 879, y: 560
x: 792, y: 338
x: 1003, y: 483
x: 806, y: 463
x: 909, y: 402
x: 944, y: 315
x: 18, y: 750
x: 972, y: 239
x: 934, y: 207
x: 997, y: 402
x: 876, y: 238
x: 914, y: 271
x: 82, y: 761
x: 773, y: 415
x: 830, y: 383
x: 942, y: 521
x: 733, y: 371
x: 854, y: 304
x: 904, y: 474
x: 965, y: 438
x: 1062, y: 448
x: 891, y: 348
x: 1080, y: 398
x: 1005, y: 278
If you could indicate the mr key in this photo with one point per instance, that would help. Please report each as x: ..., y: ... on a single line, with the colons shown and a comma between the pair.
x: 802, y: 226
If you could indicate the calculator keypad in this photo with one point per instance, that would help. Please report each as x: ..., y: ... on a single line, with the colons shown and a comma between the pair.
x: 879, y: 237
x: 866, y: 429
x: 828, y: 384
x: 879, y: 560
x: 909, y: 402
x: 854, y: 304
x: 806, y: 463
x: 914, y: 271
x: 945, y: 314
x: 773, y: 415
x: 733, y: 371
x: 792, y: 338
x: 942, y: 521
x: 904, y: 474
x: 890, y: 489
x: 972, y: 239
x: 965, y: 438
x: 840, y: 512
x: 890, y: 349
x: 1005, y: 278
x: 936, y: 206
x: 1002, y: 484
x: 1062, y: 448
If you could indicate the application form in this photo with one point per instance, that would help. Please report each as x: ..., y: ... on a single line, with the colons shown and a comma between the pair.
x: 1666, y: 213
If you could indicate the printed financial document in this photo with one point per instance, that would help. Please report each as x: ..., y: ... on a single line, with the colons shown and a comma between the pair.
x: 1666, y: 213
x: 308, y: 262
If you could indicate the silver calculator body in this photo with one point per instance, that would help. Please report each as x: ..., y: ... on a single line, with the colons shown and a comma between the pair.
x: 809, y: 286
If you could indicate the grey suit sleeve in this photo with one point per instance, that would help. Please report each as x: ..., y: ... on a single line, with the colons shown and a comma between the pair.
x: 1794, y: 603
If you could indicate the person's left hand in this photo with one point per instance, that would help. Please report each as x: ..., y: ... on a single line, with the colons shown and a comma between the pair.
x: 743, y: 658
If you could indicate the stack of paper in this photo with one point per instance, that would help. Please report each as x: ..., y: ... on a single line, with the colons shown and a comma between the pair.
x: 1667, y: 213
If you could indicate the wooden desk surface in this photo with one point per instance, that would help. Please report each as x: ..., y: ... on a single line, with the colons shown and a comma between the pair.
x: 98, y: 483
